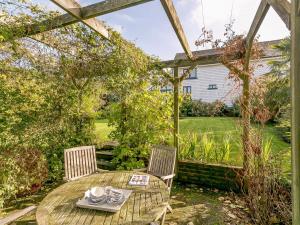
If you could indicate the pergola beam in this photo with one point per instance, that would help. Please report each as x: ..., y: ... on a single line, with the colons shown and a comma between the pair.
x: 87, y: 12
x: 201, y: 60
x: 257, y: 21
x: 109, y: 6
x: 283, y: 9
x: 295, y: 86
x: 74, y: 9
x: 174, y: 19
x: 205, y: 60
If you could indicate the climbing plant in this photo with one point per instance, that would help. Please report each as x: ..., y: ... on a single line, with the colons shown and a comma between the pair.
x: 51, y: 86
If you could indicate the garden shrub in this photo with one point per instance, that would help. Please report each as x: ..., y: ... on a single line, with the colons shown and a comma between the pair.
x: 197, y: 108
x: 278, y: 96
x: 126, y: 158
x: 140, y: 120
x: 267, y: 191
x: 23, y: 171
x: 284, y: 123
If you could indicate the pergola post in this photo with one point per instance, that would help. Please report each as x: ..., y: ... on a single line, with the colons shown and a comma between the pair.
x: 246, y: 121
x: 176, y: 84
x: 295, y: 86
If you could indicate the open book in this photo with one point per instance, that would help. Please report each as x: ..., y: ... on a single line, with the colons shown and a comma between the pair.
x: 139, y: 180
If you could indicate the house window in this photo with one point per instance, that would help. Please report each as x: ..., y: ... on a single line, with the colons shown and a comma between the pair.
x: 192, y: 75
x: 212, y: 87
x: 187, y: 89
x: 166, y: 90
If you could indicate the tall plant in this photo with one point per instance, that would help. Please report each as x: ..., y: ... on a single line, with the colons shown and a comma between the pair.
x: 140, y: 120
x: 241, y: 71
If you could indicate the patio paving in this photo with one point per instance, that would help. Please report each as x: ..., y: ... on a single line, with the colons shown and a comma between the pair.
x: 192, y: 205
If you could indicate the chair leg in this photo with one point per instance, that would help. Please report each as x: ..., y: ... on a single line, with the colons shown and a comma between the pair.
x: 163, y: 217
x: 169, y: 208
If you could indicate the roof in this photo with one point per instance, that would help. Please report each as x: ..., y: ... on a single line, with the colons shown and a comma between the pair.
x: 211, y: 56
x: 268, y: 51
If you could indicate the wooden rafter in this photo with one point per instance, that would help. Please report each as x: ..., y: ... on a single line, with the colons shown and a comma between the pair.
x: 109, y: 6
x: 212, y: 56
x: 87, y: 12
x: 295, y: 108
x: 74, y: 8
x: 201, y: 60
x: 283, y: 9
x: 174, y: 19
x: 257, y: 21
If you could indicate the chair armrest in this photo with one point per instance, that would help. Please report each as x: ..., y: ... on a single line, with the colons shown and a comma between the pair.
x: 167, y: 177
x: 140, y: 170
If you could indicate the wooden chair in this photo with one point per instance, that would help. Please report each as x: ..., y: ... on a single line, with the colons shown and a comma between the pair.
x: 79, y: 162
x: 162, y: 163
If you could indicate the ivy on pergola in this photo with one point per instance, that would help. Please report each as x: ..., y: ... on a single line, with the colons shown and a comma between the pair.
x: 289, y: 13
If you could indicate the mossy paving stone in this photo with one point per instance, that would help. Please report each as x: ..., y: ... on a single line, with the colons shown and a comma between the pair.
x: 193, y: 206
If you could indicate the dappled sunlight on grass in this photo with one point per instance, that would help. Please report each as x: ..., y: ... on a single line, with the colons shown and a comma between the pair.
x: 218, y: 128
x: 102, y: 130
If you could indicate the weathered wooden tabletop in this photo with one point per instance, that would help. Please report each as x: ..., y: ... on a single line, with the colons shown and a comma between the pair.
x: 143, y: 206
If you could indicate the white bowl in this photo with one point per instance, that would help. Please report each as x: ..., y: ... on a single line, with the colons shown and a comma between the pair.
x: 97, y: 192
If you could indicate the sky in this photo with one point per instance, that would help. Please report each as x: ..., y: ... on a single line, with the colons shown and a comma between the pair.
x: 149, y: 28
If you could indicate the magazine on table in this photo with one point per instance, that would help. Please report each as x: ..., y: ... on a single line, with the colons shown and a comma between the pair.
x: 139, y: 180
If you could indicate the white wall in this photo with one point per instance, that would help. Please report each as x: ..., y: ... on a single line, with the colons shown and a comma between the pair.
x: 218, y: 74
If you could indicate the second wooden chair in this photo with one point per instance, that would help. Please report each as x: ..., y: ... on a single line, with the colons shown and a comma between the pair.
x: 79, y: 162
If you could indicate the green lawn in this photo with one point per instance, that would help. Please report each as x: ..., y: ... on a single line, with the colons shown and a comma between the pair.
x: 218, y: 128
x: 102, y: 130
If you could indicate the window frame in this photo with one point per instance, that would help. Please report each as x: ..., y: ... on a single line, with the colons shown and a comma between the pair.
x: 212, y: 87
x: 192, y: 75
x: 187, y: 89
x: 166, y: 90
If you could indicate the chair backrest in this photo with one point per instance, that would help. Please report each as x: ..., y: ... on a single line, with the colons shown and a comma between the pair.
x: 80, y: 161
x: 162, y: 161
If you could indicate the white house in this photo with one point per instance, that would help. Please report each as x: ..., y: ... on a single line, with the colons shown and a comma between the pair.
x: 210, y: 82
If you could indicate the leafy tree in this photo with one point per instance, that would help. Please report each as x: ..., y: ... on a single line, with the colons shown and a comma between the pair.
x: 278, y: 96
x: 51, y: 86
x: 140, y: 119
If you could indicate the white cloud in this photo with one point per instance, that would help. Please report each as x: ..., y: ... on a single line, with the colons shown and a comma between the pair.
x: 182, y: 2
x: 117, y: 27
x: 125, y: 17
x: 217, y: 13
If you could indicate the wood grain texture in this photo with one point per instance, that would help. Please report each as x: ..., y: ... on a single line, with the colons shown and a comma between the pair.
x: 87, y: 12
x: 162, y: 163
x: 213, y: 56
x: 74, y: 9
x: 79, y: 162
x: 295, y: 86
x: 176, y: 24
x: 283, y: 9
x: 257, y: 21
x: 143, y: 206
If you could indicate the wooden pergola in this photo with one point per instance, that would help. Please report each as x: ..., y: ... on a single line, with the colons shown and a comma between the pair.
x: 289, y: 12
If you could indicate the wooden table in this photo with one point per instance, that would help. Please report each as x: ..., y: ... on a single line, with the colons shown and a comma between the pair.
x: 143, y: 206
